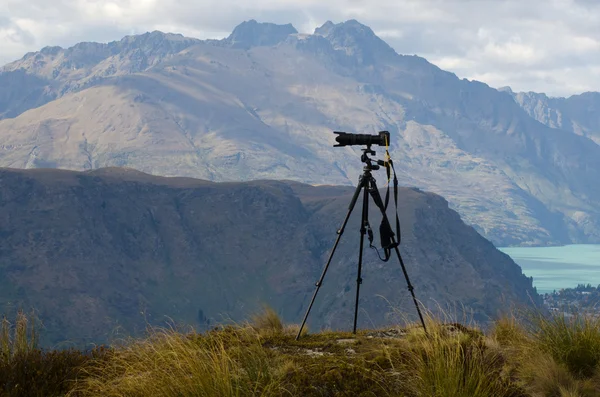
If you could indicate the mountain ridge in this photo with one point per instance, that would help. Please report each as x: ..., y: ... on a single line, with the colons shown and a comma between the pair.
x: 222, y: 113
x: 576, y: 114
x: 58, y: 71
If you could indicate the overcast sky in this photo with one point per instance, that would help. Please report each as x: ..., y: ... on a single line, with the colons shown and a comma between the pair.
x: 550, y: 46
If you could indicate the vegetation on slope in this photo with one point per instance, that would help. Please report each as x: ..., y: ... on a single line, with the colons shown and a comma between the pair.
x: 538, y: 356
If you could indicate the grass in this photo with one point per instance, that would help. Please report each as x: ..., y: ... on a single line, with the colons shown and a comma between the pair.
x: 19, y: 338
x: 532, y: 356
x: 552, y: 356
x: 27, y: 371
x: 458, y: 365
x: 227, y: 363
x: 571, y: 341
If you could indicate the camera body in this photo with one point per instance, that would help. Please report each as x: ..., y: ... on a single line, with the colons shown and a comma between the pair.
x: 347, y: 139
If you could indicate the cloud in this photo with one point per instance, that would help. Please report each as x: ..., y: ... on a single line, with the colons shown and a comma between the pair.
x: 547, y: 46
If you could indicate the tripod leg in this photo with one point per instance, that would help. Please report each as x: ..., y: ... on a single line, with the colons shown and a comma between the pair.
x: 377, y: 199
x: 361, y: 183
x: 410, y: 287
x: 363, y: 231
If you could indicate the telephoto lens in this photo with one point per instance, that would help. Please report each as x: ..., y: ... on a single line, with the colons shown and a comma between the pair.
x: 347, y: 139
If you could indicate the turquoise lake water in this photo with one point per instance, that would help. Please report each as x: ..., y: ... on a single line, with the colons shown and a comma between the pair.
x: 553, y: 268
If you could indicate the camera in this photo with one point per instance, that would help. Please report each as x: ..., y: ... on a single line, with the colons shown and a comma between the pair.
x: 345, y: 139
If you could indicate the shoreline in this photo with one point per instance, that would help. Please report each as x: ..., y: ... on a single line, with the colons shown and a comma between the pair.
x: 553, y: 268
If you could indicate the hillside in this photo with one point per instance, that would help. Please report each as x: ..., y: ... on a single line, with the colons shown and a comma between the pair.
x: 262, y: 104
x: 96, y: 250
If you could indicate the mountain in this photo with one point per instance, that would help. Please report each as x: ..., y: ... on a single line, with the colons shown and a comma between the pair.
x: 103, y: 253
x: 41, y: 77
x: 253, y: 34
x: 579, y: 114
x: 262, y: 104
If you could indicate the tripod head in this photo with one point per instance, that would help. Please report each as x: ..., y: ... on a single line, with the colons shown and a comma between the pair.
x: 369, y: 166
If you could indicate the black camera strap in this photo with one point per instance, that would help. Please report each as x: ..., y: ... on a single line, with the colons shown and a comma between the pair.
x: 390, y: 164
x: 385, y: 229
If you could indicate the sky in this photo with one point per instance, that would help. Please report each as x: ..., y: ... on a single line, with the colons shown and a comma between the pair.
x: 550, y: 46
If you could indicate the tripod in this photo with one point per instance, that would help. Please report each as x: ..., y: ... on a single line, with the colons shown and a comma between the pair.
x: 367, y: 184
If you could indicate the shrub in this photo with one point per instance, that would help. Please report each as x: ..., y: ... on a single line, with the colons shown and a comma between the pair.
x: 28, y: 371
x: 43, y: 374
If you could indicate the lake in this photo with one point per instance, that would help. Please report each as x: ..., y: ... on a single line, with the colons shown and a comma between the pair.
x: 553, y: 268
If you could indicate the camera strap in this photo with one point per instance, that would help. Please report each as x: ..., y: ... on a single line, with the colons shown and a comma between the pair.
x: 385, y: 228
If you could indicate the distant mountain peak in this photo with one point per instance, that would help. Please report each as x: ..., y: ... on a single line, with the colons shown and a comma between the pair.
x: 325, y: 29
x: 50, y: 50
x: 356, y: 39
x: 251, y: 33
x: 155, y: 36
x: 350, y: 26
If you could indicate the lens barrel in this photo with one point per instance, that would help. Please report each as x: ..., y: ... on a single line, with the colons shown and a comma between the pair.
x: 347, y: 139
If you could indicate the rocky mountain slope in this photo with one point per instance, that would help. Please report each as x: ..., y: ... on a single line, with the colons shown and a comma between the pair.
x: 579, y: 114
x: 110, y: 250
x: 263, y: 103
x: 43, y: 76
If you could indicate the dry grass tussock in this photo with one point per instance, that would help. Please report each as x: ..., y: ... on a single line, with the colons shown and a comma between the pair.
x: 554, y: 356
x: 19, y: 338
x: 527, y: 356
